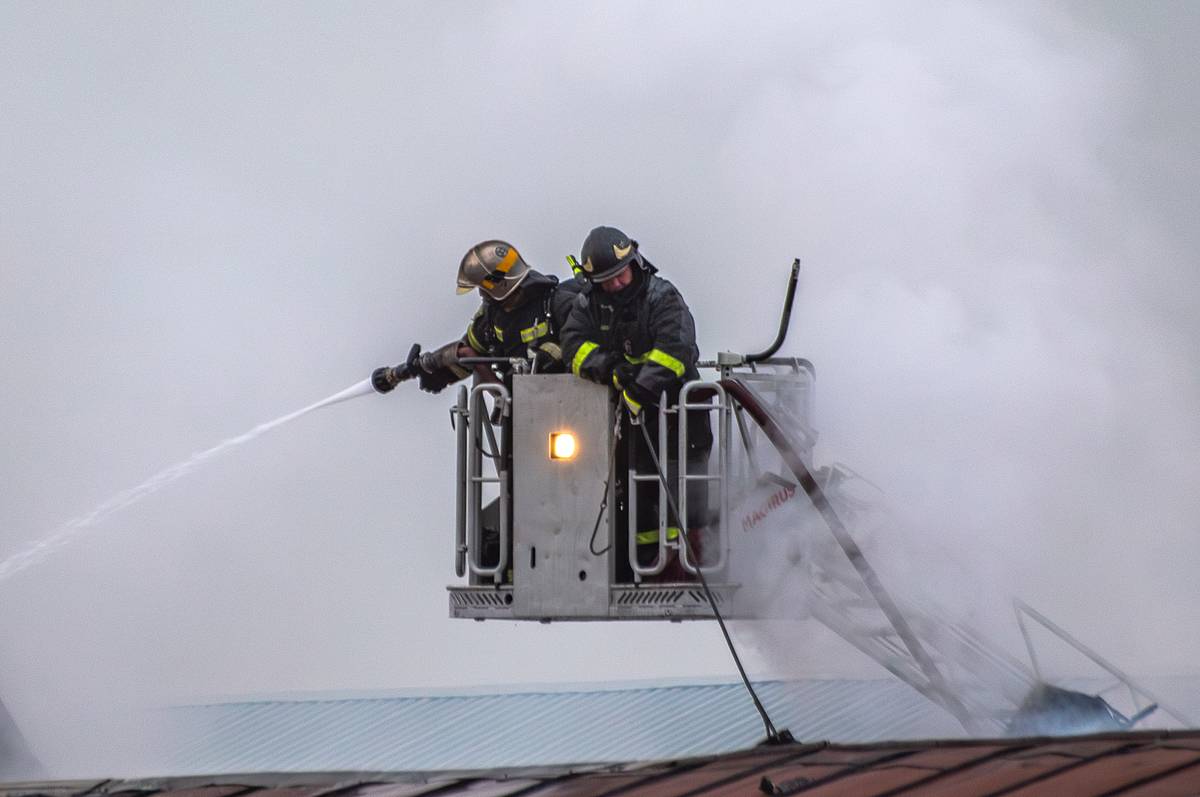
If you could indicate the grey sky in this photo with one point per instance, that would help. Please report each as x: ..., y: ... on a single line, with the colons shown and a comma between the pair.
x: 212, y: 215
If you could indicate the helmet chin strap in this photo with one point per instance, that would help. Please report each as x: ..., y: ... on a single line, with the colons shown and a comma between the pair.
x: 637, y: 276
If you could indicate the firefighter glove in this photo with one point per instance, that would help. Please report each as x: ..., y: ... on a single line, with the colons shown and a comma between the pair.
x: 437, y: 381
x: 624, y: 375
x: 631, y: 405
x: 545, y: 356
x: 635, y: 398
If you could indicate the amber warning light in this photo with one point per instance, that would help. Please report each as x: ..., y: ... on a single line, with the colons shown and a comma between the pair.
x: 562, y: 445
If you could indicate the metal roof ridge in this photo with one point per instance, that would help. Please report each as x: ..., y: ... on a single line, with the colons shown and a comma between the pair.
x: 496, y: 690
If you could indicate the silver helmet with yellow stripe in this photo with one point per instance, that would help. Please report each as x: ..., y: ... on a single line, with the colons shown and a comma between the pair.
x: 494, y: 267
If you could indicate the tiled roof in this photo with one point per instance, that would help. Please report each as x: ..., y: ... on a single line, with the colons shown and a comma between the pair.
x: 1138, y: 764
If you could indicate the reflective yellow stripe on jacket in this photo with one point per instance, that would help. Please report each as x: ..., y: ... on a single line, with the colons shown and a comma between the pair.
x: 472, y: 340
x: 633, y: 405
x: 530, y: 334
x: 582, y: 354
x: 660, y: 357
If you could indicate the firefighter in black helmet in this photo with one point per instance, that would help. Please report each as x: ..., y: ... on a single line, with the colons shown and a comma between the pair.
x: 632, y: 330
x: 522, y: 314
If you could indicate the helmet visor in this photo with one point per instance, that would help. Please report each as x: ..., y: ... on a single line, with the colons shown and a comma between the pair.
x: 616, y: 268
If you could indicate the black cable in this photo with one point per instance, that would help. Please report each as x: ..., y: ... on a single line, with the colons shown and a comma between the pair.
x: 612, y: 455
x: 596, y: 528
x: 772, y: 734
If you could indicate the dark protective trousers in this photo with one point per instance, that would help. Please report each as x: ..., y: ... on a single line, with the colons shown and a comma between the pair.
x: 637, y: 456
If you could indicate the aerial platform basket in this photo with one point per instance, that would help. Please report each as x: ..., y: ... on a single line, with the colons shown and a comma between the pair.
x: 531, y: 541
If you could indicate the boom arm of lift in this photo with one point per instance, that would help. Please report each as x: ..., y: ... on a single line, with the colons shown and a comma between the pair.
x: 940, y: 690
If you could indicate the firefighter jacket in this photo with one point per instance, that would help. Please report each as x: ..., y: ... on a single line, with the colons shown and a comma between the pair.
x: 533, y: 326
x: 530, y: 328
x: 647, y: 325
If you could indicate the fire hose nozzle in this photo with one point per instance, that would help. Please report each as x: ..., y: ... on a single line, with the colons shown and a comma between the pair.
x: 385, y: 379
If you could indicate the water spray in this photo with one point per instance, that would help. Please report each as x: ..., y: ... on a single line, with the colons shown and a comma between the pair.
x: 38, y: 551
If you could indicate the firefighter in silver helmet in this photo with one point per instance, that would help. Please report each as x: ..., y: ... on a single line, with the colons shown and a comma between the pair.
x: 632, y: 330
x: 521, y: 315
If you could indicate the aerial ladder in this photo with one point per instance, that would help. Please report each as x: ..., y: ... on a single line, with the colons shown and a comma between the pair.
x: 545, y: 531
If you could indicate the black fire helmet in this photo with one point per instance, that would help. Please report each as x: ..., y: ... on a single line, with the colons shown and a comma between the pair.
x: 606, y: 251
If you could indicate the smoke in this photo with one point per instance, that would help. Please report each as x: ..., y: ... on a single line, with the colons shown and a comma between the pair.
x: 1002, y: 363
x: 206, y: 212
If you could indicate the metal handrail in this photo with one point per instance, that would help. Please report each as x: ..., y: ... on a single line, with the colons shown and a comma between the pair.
x: 784, y: 318
x: 459, y: 413
x: 660, y: 557
x: 727, y: 360
x: 722, y: 408
x: 479, y: 421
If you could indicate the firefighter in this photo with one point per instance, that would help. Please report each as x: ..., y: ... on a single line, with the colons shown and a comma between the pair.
x: 632, y: 330
x: 522, y: 314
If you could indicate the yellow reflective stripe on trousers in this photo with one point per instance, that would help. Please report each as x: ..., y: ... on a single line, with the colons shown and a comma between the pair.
x: 660, y: 357
x: 584, y: 350
x: 651, y: 537
x: 530, y: 334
